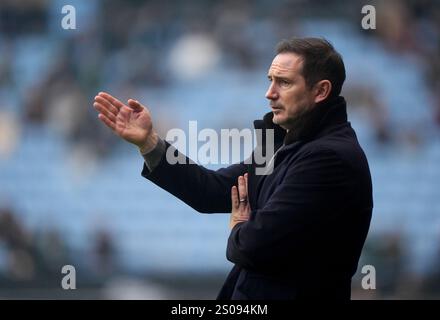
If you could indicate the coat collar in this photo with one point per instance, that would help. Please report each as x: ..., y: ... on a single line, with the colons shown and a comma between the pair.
x: 320, y: 120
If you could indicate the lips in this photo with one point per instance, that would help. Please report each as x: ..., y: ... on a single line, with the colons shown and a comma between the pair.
x: 275, y: 109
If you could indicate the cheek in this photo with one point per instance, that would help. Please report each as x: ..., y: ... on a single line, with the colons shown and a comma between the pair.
x: 293, y: 103
x: 298, y: 99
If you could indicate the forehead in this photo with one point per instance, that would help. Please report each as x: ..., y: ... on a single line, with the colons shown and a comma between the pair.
x: 286, y: 64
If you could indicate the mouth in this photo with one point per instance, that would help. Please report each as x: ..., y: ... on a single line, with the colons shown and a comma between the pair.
x: 275, y: 108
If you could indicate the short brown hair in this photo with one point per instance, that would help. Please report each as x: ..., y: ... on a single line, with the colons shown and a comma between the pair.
x: 321, y: 61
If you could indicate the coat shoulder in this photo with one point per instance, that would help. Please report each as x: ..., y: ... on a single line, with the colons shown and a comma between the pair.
x: 341, y: 143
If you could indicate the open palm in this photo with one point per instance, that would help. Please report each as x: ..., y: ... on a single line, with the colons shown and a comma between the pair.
x: 132, y: 122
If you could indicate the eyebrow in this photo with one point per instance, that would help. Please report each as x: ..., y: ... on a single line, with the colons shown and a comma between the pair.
x: 279, y: 78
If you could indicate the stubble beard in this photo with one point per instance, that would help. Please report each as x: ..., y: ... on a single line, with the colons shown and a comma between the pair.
x: 300, y: 120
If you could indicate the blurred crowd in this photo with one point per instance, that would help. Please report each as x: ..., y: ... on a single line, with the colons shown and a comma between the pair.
x: 49, y: 76
x: 126, y: 46
x: 35, y: 258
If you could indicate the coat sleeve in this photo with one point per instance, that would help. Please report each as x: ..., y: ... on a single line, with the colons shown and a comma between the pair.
x: 207, y: 191
x: 310, y: 197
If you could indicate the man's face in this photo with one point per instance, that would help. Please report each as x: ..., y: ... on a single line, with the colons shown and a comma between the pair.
x: 288, y: 93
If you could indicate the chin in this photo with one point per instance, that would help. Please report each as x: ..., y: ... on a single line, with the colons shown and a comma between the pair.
x: 277, y: 119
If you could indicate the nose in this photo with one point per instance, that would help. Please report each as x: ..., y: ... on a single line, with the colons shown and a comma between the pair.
x: 271, y: 93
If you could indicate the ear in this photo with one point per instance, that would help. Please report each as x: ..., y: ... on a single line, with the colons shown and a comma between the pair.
x: 322, y: 90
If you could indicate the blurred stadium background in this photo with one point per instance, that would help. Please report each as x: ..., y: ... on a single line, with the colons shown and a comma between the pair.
x: 71, y: 192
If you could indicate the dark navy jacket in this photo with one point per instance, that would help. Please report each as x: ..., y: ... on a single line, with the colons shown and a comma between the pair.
x: 310, y: 216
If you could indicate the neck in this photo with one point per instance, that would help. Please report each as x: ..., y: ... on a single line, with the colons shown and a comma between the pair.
x: 308, y: 122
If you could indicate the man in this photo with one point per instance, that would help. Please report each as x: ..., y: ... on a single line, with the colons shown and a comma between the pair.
x: 298, y: 232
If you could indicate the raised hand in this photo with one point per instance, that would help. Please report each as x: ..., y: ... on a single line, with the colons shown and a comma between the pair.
x: 240, y: 205
x: 131, y: 122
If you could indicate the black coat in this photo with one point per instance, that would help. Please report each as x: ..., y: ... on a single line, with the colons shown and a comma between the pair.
x: 310, y: 216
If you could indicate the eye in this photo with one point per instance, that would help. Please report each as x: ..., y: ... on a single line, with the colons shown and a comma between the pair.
x: 284, y: 82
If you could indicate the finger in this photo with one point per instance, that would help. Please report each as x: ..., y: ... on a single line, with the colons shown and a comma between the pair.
x: 107, y: 104
x: 234, y: 197
x: 124, y: 113
x: 246, y: 183
x: 246, y: 188
x: 102, y: 109
x: 118, y: 104
x: 135, y: 105
x: 241, y: 188
x: 122, y: 119
x: 107, y: 121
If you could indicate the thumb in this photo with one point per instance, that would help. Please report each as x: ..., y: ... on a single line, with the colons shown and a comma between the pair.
x: 135, y: 105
